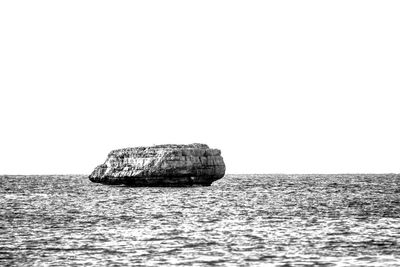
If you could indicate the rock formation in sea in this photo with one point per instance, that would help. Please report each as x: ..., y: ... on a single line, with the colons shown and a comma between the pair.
x: 161, y: 165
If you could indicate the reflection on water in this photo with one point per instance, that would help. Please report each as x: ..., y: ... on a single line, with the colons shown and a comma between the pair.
x: 241, y: 220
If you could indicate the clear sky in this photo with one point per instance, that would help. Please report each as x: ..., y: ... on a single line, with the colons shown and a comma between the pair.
x: 278, y: 86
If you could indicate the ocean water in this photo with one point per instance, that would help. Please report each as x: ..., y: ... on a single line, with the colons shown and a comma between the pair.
x: 241, y: 220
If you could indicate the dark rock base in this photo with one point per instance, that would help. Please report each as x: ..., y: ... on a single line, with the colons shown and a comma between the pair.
x: 158, y: 181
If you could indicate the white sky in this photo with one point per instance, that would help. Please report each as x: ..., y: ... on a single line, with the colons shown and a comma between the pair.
x: 278, y: 86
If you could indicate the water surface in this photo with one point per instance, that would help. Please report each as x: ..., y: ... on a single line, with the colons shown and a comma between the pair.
x: 241, y: 220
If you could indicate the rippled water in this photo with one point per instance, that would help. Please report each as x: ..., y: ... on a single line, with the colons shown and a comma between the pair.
x: 280, y: 220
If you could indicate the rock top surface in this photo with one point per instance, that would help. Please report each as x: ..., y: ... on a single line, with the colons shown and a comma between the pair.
x: 161, y: 165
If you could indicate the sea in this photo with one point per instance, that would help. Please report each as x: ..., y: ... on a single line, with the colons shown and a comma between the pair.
x: 240, y: 220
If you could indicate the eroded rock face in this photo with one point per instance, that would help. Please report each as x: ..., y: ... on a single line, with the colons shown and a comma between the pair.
x: 162, y: 165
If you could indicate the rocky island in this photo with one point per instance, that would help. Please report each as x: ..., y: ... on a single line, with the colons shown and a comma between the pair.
x: 161, y: 165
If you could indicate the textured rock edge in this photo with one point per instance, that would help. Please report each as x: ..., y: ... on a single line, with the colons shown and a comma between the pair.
x: 161, y: 165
